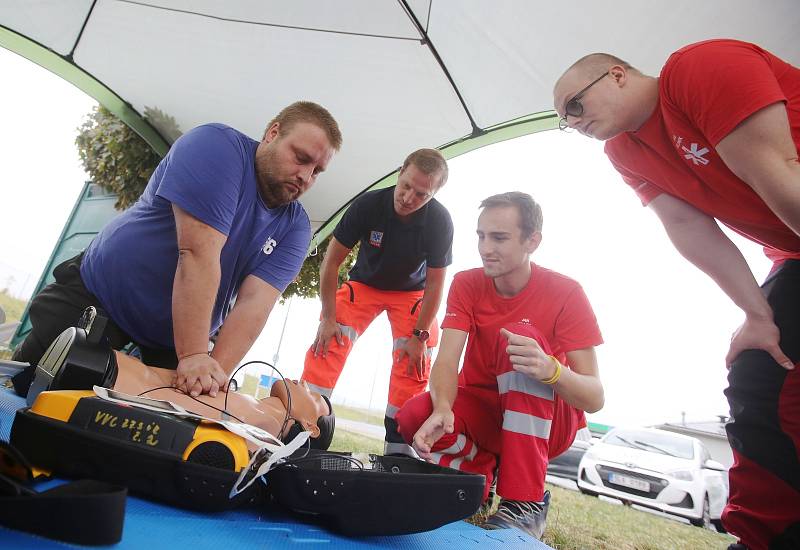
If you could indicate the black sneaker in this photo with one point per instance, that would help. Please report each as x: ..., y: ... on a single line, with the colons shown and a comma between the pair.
x: 737, y: 546
x: 530, y: 517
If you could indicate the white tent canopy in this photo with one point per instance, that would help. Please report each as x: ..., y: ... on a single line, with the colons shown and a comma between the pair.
x: 398, y: 75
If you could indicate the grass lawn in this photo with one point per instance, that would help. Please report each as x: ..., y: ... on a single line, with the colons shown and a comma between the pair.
x: 348, y: 441
x: 581, y: 522
x: 14, y: 307
x: 577, y: 521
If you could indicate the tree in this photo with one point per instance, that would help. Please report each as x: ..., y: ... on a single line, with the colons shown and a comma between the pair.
x: 116, y: 157
x: 120, y: 161
x: 306, y: 284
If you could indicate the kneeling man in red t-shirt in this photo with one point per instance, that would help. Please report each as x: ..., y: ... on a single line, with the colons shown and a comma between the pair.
x: 529, y: 372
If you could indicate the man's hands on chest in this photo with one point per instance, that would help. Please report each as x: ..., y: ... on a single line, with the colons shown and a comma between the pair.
x: 198, y: 374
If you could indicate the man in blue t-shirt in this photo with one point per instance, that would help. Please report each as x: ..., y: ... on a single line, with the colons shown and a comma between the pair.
x: 406, y: 241
x: 218, y: 223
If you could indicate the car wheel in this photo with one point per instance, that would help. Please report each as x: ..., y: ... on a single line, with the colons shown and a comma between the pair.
x: 705, y: 519
x: 718, y: 524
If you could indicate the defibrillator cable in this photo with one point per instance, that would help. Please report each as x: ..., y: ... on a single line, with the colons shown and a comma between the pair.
x: 224, y: 410
x: 288, y: 398
x: 285, y: 385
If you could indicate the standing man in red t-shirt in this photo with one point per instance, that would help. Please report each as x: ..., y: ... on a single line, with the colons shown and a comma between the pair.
x: 529, y: 371
x: 715, y: 138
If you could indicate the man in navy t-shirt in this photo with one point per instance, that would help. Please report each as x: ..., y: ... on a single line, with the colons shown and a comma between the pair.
x: 218, y: 222
x: 406, y: 241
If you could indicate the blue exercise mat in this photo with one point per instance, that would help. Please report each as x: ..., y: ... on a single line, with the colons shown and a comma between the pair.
x: 154, y: 526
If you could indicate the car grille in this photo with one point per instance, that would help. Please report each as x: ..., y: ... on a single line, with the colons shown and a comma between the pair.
x: 657, y: 484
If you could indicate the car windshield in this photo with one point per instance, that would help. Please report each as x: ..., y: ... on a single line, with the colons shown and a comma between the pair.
x: 665, y: 444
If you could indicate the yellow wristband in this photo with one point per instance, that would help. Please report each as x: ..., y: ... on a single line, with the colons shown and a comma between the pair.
x: 553, y: 379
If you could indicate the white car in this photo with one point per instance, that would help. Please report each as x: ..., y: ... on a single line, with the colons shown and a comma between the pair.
x: 666, y: 471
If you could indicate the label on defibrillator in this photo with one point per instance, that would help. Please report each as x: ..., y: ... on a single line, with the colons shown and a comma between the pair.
x: 142, y: 427
x: 269, y: 450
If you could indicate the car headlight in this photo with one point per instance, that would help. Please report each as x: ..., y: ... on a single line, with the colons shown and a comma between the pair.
x: 683, y: 475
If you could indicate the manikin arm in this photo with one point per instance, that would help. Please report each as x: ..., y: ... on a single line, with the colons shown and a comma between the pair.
x: 244, y: 323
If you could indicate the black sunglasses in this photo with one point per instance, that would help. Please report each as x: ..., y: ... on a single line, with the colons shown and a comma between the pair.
x: 574, y: 107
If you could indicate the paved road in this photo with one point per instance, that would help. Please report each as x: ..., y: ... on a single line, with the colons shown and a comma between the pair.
x: 361, y: 428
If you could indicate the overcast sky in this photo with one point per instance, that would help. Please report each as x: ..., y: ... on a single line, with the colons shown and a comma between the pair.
x: 665, y: 324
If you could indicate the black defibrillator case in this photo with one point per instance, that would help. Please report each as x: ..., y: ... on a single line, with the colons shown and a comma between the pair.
x: 374, y: 495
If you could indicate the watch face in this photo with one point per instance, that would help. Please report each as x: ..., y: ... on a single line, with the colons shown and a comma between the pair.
x: 422, y: 335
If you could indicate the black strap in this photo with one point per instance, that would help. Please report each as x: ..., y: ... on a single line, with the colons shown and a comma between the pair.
x: 352, y: 292
x: 82, y: 512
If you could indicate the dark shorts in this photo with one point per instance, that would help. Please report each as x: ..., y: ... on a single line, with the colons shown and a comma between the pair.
x: 59, y: 306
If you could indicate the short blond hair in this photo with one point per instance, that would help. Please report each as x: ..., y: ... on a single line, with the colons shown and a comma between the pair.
x: 313, y: 113
x: 429, y: 162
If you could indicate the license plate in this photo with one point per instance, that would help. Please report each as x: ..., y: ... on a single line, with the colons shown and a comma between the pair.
x: 631, y: 482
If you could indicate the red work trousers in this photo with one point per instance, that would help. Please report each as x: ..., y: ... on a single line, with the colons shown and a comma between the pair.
x: 520, y: 422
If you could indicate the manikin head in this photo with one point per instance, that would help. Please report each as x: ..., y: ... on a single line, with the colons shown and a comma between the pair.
x: 308, y: 411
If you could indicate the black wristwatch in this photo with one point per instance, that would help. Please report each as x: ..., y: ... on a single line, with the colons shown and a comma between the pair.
x: 422, y: 335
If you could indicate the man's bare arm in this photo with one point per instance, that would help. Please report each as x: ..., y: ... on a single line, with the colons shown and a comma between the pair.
x: 443, y: 388
x: 328, y: 283
x: 579, y: 385
x: 196, y: 282
x: 444, y: 373
x: 245, y: 322
x: 700, y: 240
x: 762, y: 153
x: 194, y: 292
x: 431, y: 298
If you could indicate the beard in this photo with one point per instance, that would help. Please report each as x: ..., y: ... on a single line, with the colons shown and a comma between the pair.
x: 274, y: 190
